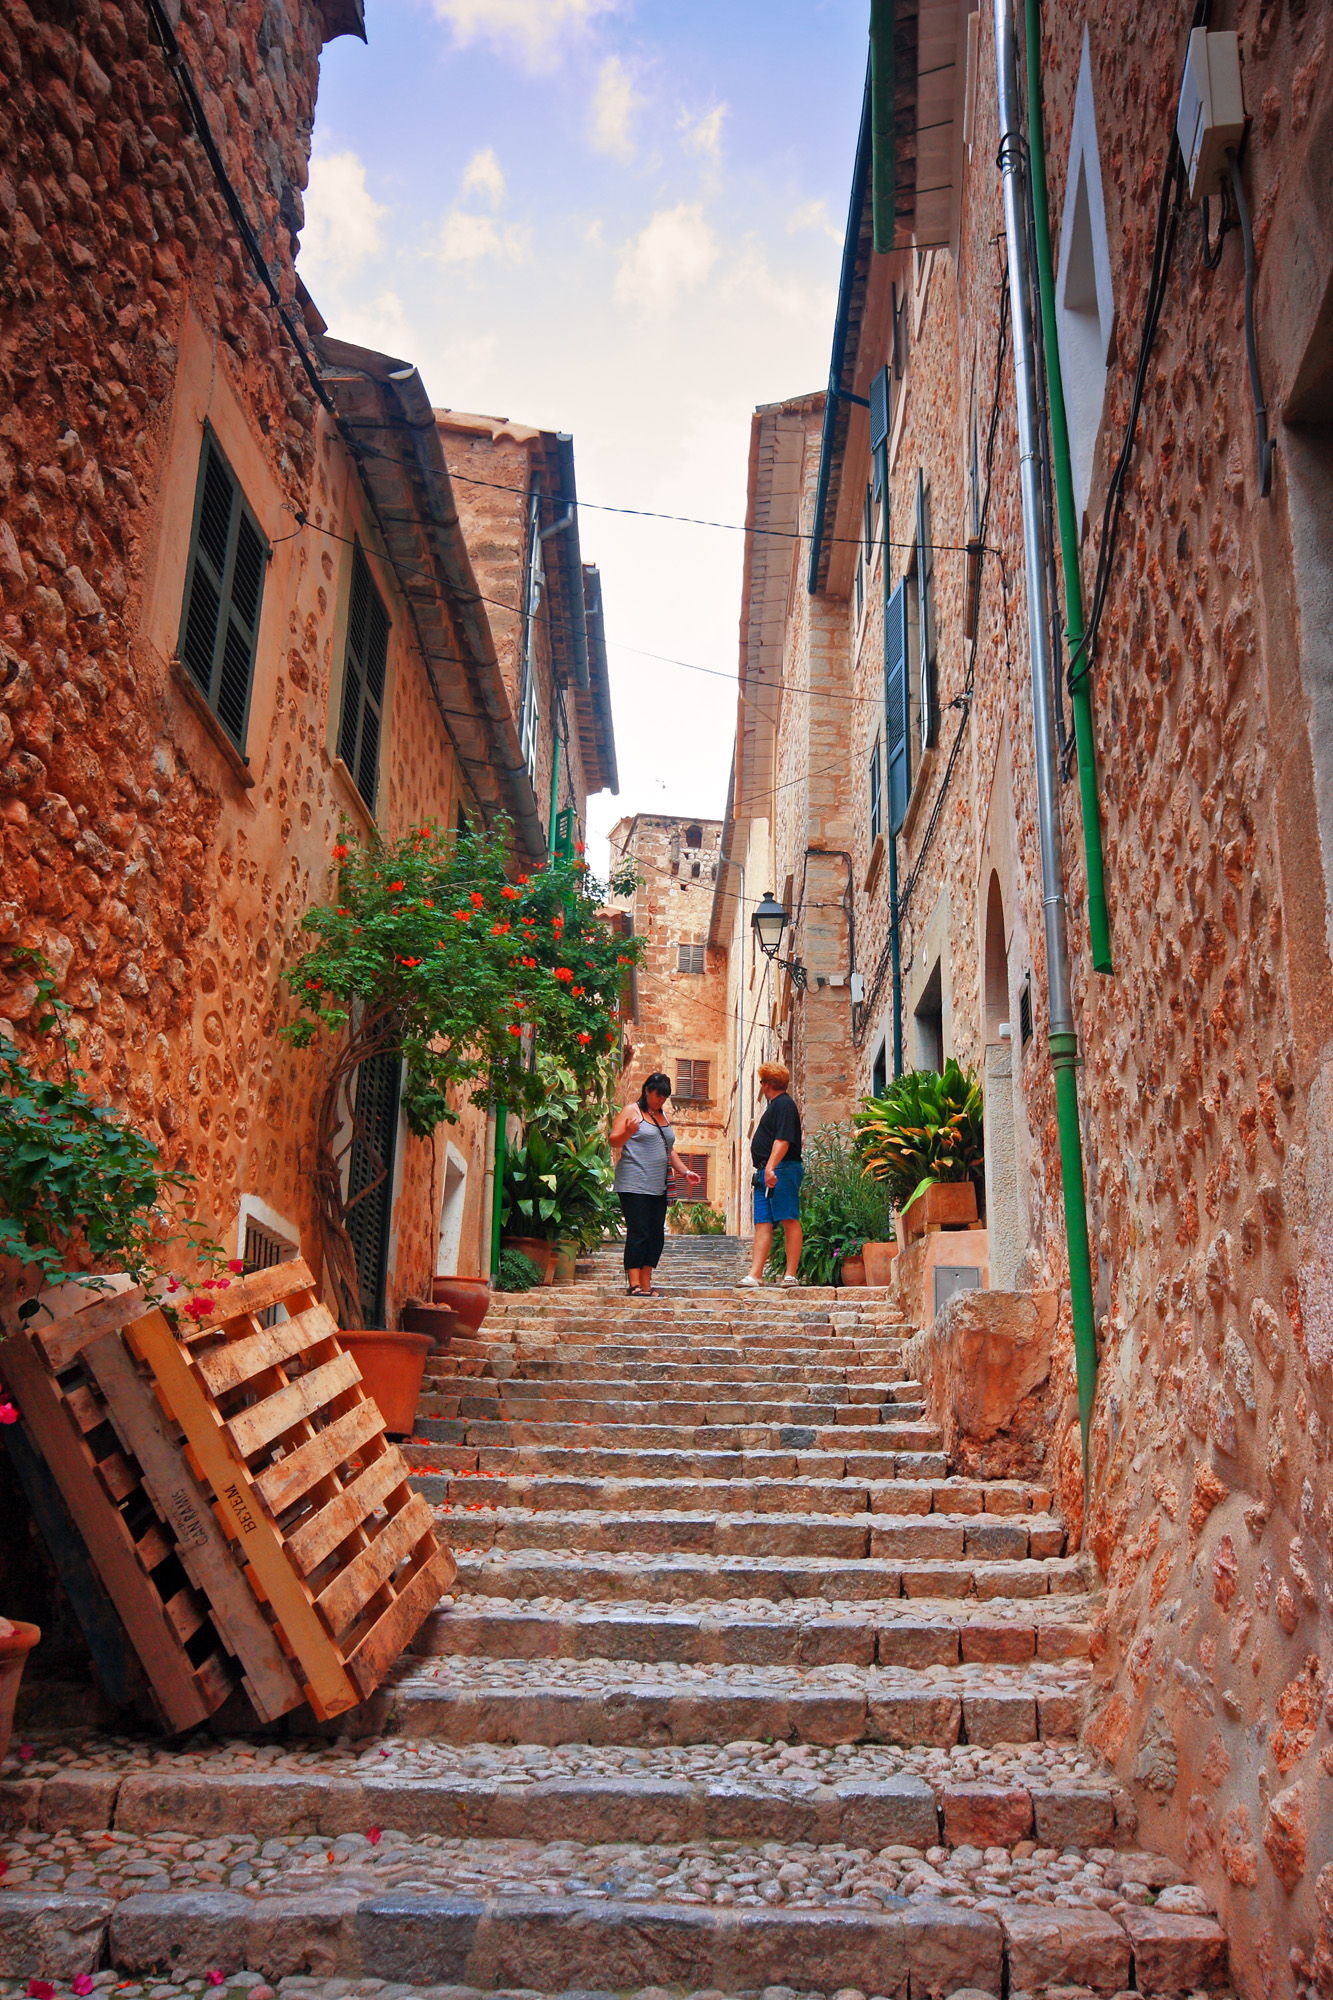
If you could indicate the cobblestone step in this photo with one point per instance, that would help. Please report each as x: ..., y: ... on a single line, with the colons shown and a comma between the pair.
x: 775, y: 1375
x: 617, y: 1462
x: 632, y: 1702
x: 678, y: 1577
x: 844, y: 1497
x: 889, y: 1436
x: 901, y: 1538
x: 917, y: 1632
x: 668, y: 1402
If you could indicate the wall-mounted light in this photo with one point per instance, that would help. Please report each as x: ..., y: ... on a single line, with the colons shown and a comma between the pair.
x: 769, y: 921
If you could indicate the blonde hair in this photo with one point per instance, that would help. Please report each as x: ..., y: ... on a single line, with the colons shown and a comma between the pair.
x: 777, y: 1073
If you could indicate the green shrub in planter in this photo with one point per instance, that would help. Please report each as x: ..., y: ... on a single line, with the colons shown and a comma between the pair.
x: 516, y: 1273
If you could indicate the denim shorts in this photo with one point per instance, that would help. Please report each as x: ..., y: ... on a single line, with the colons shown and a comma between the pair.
x: 782, y: 1203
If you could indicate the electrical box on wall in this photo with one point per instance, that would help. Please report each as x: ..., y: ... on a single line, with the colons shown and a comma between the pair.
x: 1212, y: 108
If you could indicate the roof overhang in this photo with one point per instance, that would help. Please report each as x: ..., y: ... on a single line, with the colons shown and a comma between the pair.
x: 384, y: 411
x: 341, y: 17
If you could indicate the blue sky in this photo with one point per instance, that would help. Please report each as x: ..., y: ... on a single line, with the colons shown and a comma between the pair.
x: 620, y: 218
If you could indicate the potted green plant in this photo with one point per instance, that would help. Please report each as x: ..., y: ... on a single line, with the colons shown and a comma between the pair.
x: 436, y: 951
x: 923, y: 1140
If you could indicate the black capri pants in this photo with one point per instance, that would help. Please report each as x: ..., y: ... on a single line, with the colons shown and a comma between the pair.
x: 645, y: 1229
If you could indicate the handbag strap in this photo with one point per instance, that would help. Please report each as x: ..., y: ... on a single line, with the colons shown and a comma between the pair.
x: 666, y: 1148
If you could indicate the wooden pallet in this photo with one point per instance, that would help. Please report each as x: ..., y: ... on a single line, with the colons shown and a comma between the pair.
x: 166, y: 1618
x: 293, y: 1452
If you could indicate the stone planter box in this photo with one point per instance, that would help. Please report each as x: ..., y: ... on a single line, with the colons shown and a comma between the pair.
x: 943, y: 1205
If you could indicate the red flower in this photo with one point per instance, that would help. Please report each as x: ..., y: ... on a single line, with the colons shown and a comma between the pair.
x: 8, y: 1414
x: 499, y: 930
x: 622, y: 960
x: 462, y: 915
x: 409, y: 961
x: 312, y: 986
x: 396, y: 885
x: 341, y: 851
x: 236, y: 1265
x: 82, y: 1982
x: 514, y: 1028
x: 199, y: 1307
x: 214, y: 1977
x: 344, y: 913
x: 373, y: 1835
x: 585, y: 1038
x: 522, y: 878
x: 578, y: 989
x: 40, y: 1989
x: 578, y: 847
x: 477, y: 899
x: 428, y: 906
x: 529, y: 961
x: 563, y: 972
x: 510, y: 895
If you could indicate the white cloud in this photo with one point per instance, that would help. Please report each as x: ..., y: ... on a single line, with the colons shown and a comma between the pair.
x: 467, y: 238
x: 484, y: 176
x: 530, y: 29
x: 813, y: 215
x: 342, y: 218
x: 704, y: 133
x: 672, y: 254
x: 614, y: 104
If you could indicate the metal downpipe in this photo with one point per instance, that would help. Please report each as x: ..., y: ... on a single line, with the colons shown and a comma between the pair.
x: 1062, y: 1036
x: 1099, y: 922
x: 895, y: 923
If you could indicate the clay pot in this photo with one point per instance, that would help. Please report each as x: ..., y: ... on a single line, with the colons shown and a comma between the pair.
x: 469, y: 1299
x: 566, y: 1256
x: 438, y: 1321
x: 853, y: 1271
x: 943, y: 1205
x: 16, y: 1642
x: 392, y: 1365
x: 878, y: 1259
x: 537, y: 1251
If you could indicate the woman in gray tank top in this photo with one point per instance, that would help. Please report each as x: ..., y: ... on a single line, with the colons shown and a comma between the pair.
x: 644, y: 1144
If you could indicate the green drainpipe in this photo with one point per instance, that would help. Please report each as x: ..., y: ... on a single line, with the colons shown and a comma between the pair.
x: 1099, y: 924
x: 501, y: 1149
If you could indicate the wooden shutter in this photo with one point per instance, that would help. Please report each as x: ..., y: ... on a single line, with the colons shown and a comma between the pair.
x: 876, y: 794
x: 364, y: 668
x: 370, y: 1177
x: 697, y: 1164
x: 925, y: 623
x: 224, y: 590
x: 897, y: 733
x: 881, y: 410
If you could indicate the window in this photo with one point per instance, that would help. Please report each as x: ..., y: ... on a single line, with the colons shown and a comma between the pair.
x: 922, y: 613
x: 897, y: 707
x: 224, y: 587
x: 364, y: 666
x: 262, y: 1250
x: 876, y: 794
x: 691, y: 1082
x: 928, y: 1020
x: 697, y: 1164
x: 694, y: 835
x: 689, y: 958
x: 879, y: 1074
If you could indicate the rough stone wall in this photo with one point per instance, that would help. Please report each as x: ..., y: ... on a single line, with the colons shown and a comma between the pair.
x: 1205, y: 1095
x: 162, y: 875
x: 680, y: 1014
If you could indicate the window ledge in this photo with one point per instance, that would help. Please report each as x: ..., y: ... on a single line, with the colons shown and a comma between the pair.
x: 875, y: 863
x: 352, y: 799
x: 238, y: 765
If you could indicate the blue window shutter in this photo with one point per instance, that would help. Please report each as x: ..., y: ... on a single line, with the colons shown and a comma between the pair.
x: 925, y: 604
x: 880, y: 408
x: 897, y: 731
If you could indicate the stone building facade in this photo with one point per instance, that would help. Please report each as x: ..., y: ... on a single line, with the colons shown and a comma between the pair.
x: 179, y: 433
x: 1206, y: 1048
x: 676, y: 1018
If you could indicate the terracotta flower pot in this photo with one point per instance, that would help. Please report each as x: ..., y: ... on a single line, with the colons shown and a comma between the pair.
x: 853, y: 1271
x: 16, y: 1642
x: 536, y: 1250
x: 469, y: 1299
x: 878, y: 1259
x: 392, y: 1365
x: 942, y: 1205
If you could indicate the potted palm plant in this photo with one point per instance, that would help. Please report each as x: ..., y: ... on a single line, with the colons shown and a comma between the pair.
x: 923, y: 1140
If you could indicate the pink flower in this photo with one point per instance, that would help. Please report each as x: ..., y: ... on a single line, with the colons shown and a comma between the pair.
x: 236, y: 1265
x: 41, y: 1989
x: 8, y: 1414
x: 214, y: 1977
x: 82, y: 1982
x: 26, y: 1753
x: 373, y: 1835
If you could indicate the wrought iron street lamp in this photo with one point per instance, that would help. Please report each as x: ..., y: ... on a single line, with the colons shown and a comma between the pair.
x: 769, y: 921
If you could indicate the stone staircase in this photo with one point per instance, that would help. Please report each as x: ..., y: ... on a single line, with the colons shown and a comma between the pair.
x: 689, y: 1263
x: 741, y: 1691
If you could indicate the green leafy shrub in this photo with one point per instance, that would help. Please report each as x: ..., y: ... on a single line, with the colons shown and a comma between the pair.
x: 841, y: 1210
x: 515, y: 1272
x: 696, y: 1218
x: 80, y: 1191
x: 927, y: 1127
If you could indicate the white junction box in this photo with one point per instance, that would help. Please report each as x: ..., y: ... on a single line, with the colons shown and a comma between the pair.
x: 1212, y: 108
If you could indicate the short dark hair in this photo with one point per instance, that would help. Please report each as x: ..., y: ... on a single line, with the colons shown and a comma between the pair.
x: 656, y: 1082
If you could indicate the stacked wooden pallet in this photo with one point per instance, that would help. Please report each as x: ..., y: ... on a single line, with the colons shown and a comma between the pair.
x: 249, y: 1459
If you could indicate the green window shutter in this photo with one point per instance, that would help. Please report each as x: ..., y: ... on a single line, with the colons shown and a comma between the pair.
x: 224, y: 590
x: 881, y: 408
x: 925, y: 601
x: 364, y: 669
x: 566, y: 832
x: 897, y: 732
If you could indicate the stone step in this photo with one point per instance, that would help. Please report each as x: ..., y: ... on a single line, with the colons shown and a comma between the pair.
x: 911, y: 1632
x: 895, y: 1538
x: 591, y: 1460
x: 746, y: 1373
x: 842, y: 1497
x: 883, y: 1437
x: 830, y: 1346
x: 524, y: 1403
x: 766, y: 1402
x: 642, y: 1702
x: 679, y: 1578
x: 491, y: 1916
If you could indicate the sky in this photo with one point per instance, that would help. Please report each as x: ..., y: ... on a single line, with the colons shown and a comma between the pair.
x: 621, y: 219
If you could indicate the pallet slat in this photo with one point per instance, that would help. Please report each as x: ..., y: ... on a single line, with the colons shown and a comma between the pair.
x: 224, y: 1368
x: 283, y: 1483
x: 260, y: 1290
x: 335, y: 1521
x: 63, y: 1341
x: 354, y: 1586
x: 394, y: 1629
x: 250, y: 1430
